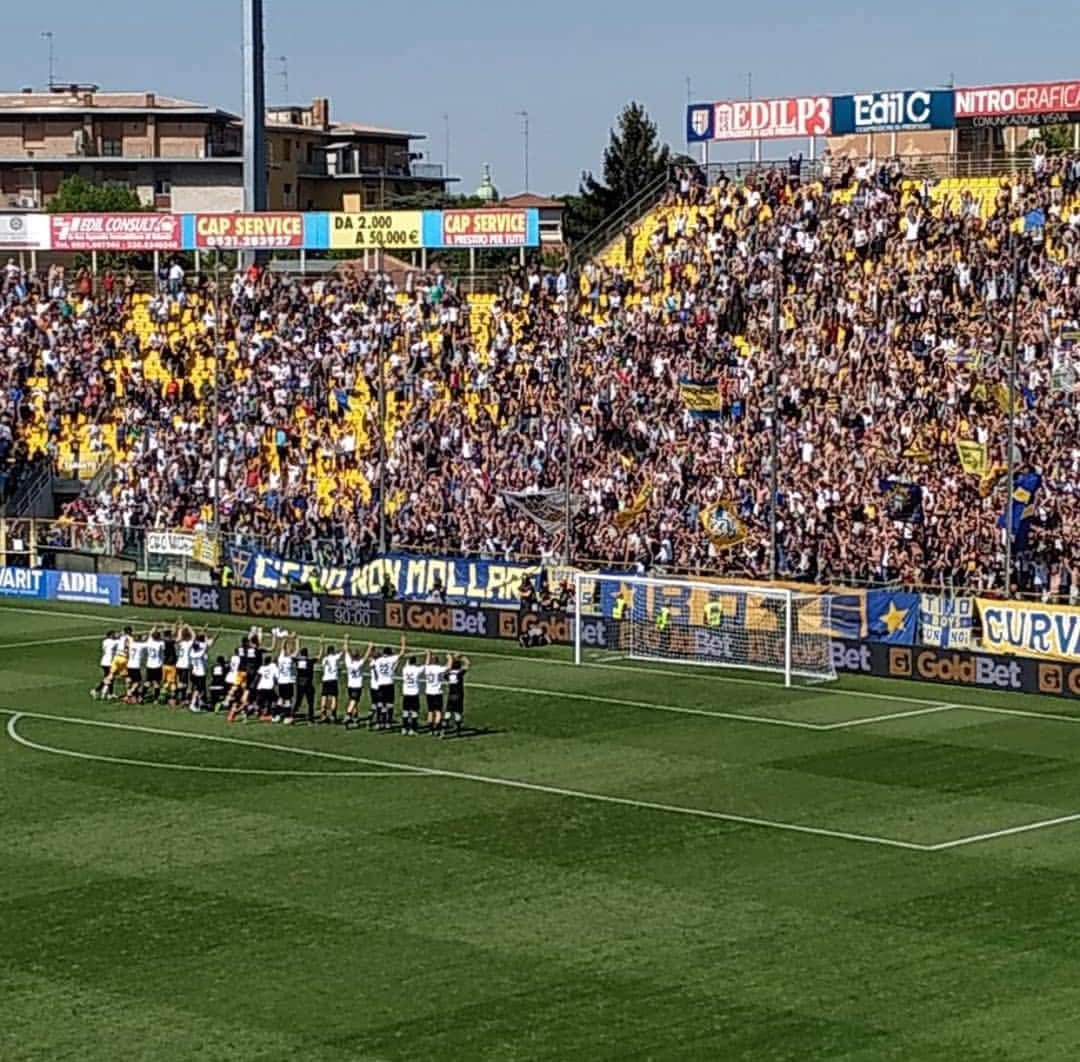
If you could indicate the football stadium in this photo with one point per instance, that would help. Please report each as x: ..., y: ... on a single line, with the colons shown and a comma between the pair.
x: 640, y: 622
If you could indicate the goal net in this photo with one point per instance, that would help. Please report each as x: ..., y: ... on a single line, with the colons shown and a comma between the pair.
x: 713, y: 624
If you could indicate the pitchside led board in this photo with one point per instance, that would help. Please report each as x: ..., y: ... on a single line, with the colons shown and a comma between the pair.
x: 907, y: 110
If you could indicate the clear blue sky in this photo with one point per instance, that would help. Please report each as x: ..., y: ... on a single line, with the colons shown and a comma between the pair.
x: 572, y: 66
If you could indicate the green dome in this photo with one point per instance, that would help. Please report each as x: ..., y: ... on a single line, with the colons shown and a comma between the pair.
x: 487, y: 191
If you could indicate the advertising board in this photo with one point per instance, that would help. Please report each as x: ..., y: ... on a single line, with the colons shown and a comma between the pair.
x: 392, y: 229
x: 1041, y: 103
x: 772, y: 119
x: 115, y: 232
x: 240, y: 231
x: 884, y: 112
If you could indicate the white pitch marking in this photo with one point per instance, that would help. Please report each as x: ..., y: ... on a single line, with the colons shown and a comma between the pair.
x: 737, y: 716
x: 888, y: 717
x: 1009, y: 831
x: 73, y: 754
x: 51, y: 641
x: 511, y: 783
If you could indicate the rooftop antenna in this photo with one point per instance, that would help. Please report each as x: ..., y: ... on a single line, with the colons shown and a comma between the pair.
x: 283, y: 73
x: 48, y: 35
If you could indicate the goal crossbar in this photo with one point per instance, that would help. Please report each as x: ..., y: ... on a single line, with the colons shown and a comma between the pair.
x: 747, y: 626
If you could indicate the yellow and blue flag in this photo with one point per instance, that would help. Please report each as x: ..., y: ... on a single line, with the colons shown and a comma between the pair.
x: 1021, y: 507
x: 722, y: 525
x: 701, y: 398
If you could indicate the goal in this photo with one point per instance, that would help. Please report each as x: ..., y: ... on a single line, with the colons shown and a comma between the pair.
x: 761, y: 628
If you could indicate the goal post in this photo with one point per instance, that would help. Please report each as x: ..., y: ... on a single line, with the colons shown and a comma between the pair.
x: 759, y: 628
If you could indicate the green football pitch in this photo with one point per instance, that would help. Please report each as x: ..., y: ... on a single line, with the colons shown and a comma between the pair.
x: 615, y: 863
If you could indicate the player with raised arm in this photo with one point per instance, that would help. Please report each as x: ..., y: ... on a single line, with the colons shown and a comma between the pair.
x: 185, y: 639
x: 456, y: 667
x: 286, y: 678
x: 266, y: 688
x: 305, y: 682
x: 433, y: 692
x: 197, y: 655
x: 354, y: 682
x: 385, y: 666
x: 411, y: 676
x: 331, y: 663
x: 168, y: 665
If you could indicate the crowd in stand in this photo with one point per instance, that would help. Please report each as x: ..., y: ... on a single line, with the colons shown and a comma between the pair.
x: 894, y: 326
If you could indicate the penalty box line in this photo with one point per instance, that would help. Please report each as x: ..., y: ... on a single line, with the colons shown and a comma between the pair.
x: 580, y: 794
x: 483, y: 779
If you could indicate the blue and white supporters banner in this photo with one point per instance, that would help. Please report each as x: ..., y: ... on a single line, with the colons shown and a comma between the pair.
x: 946, y: 622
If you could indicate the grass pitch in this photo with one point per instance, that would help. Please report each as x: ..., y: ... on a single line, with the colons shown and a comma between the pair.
x: 621, y: 864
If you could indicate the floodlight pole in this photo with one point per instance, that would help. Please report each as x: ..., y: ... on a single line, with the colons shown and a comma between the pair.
x: 1012, y: 417
x: 382, y: 407
x: 568, y: 408
x: 774, y: 442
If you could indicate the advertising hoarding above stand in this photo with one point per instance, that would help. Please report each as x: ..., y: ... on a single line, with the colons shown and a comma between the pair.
x: 395, y: 230
x: 885, y: 112
x: 774, y: 119
x: 1042, y: 103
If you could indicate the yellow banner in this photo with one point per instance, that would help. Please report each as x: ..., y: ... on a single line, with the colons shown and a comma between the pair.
x: 973, y: 456
x: 628, y: 516
x: 1050, y: 632
x: 392, y: 229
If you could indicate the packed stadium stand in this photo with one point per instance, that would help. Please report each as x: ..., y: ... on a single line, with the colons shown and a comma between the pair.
x: 894, y: 346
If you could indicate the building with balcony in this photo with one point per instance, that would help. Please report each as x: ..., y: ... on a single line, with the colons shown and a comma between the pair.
x: 182, y: 156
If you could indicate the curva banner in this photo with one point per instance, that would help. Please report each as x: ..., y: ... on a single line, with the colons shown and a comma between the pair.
x: 884, y: 112
x: 773, y: 119
x: 115, y: 232
x: 266, y: 231
x: 1030, y: 629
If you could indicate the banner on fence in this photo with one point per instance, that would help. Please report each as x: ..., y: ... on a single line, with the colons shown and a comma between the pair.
x: 946, y: 622
x: 22, y: 582
x: 115, y: 232
x: 410, y: 576
x: 1050, y: 632
x: 239, y: 231
x: 393, y: 229
x: 170, y: 543
x: 24, y: 232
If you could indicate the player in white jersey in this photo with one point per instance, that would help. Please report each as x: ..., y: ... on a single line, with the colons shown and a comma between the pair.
x: 382, y: 692
x: 266, y: 688
x: 198, y: 655
x: 185, y: 639
x: 155, y: 655
x: 412, y: 675
x: 286, y: 675
x: 136, y: 655
x: 354, y: 682
x: 331, y: 663
x: 433, y: 691
x: 109, y: 645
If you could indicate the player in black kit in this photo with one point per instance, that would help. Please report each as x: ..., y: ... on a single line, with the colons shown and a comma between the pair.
x: 456, y: 666
x: 305, y: 684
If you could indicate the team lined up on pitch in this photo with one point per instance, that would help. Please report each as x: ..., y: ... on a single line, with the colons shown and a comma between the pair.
x: 277, y: 683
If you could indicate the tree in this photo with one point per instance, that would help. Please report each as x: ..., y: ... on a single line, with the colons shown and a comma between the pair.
x: 633, y: 159
x: 77, y: 196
